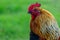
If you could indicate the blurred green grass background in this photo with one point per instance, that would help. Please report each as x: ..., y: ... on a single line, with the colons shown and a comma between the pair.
x: 14, y: 17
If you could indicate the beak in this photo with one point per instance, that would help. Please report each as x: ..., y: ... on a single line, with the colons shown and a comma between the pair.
x: 29, y: 12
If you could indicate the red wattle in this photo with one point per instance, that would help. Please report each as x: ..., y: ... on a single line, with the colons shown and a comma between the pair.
x: 33, y: 17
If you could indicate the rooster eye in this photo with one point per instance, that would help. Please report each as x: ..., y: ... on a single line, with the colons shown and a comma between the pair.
x: 35, y: 9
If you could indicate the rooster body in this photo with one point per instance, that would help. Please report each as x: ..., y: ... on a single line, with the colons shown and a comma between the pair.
x: 44, y: 24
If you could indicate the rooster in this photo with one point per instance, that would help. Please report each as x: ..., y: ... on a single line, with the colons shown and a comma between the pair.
x: 43, y: 24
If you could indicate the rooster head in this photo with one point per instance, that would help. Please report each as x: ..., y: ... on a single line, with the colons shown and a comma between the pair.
x: 33, y: 10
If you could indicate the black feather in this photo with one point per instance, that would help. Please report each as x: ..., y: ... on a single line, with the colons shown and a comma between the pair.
x: 33, y: 36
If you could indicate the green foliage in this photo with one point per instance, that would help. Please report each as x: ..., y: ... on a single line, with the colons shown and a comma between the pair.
x: 14, y: 17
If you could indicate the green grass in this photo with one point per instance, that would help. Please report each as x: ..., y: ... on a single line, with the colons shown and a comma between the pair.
x: 14, y: 17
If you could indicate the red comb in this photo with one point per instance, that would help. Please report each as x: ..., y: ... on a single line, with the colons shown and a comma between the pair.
x: 34, y: 5
x: 37, y: 5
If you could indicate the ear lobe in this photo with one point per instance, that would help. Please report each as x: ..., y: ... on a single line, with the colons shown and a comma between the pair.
x: 39, y: 11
